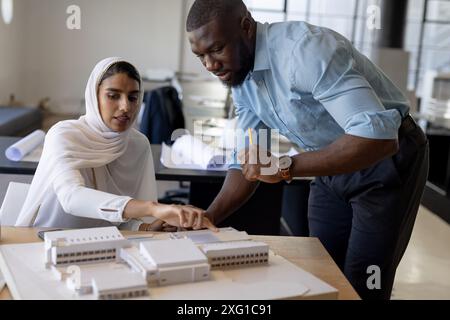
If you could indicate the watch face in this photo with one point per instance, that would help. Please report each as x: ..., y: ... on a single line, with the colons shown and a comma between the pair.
x: 285, y: 162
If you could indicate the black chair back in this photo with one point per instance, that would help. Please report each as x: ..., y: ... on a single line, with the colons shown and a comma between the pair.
x: 162, y: 115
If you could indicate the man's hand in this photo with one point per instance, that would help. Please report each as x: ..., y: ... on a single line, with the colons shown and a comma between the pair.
x: 259, y: 164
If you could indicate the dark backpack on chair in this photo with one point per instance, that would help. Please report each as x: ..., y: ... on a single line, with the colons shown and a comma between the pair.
x: 162, y: 115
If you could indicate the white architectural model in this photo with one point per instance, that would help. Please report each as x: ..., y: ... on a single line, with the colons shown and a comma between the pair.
x: 236, y: 253
x: 177, y: 261
x: 207, y: 236
x: 140, y: 264
x: 105, y: 281
x: 102, y: 262
x: 83, y: 246
x: 228, y: 248
x: 126, y: 284
x: 167, y: 262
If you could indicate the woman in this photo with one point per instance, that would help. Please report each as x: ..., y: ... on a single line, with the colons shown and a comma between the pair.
x: 93, y: 170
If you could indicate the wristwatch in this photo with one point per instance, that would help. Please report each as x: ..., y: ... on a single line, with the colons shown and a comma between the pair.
x: 284, y: 166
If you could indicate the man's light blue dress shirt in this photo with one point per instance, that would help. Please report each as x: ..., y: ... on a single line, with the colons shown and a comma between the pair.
x: 312, y: 85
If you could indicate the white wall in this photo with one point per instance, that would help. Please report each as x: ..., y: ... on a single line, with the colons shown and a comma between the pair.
x: 40, y: 57
x: 11, y: 55
x: 189, y: 62
x: 58, y: 60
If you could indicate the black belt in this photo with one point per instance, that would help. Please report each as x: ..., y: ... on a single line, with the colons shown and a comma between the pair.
x: 408, y: 125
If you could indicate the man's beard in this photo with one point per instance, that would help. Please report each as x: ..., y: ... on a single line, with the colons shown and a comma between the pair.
x: 246, y: 63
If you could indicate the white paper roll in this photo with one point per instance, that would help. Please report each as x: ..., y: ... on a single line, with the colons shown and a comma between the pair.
x: 24, y: 146
x: 189, y: 150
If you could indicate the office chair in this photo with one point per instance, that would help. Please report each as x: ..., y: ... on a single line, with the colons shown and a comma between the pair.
x: 12, y: 203
x: 9, y: 211
x: 162, y: 115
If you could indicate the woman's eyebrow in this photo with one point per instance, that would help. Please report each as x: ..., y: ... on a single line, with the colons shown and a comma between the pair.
x: 119, y: 91
x: 113, y: 90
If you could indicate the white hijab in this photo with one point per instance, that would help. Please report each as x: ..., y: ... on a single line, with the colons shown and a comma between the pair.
x: 89, y: 143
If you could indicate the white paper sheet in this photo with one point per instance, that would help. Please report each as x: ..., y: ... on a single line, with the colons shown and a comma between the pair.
x: 27, y: 149
x: 2, y: 282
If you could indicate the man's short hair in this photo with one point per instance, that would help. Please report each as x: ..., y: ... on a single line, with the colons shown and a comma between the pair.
x: 204, y: 11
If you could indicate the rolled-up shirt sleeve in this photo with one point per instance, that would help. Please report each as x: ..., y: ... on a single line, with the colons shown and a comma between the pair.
x: 327, y: 69
x: 248, y: 119
x: 79, y: 200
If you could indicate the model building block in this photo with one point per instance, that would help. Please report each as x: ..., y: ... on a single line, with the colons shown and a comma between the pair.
x: 139, y: 263
x: 208, y: 236
x: 83, y: 246
x: 119, y: 283
x: 177, y: 261
x: 236, y: 253
x: 107, y: 281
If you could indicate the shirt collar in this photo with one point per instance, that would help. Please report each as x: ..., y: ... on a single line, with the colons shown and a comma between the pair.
x: 261, y: 58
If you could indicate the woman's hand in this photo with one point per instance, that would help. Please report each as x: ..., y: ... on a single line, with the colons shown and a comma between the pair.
x: 158, y: 225
x: 183, y: 216
x: 174, y: 215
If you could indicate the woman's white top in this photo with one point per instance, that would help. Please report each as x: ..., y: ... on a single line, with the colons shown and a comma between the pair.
x: 64, y: 193
x: 88, y: 198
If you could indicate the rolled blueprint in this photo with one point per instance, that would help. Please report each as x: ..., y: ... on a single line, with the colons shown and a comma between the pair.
x: 28, y: 144
x: 189, y: 150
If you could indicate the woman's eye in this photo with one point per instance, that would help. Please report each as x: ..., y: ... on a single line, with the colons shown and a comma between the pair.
x: 133, y: 98
x: 113, y: 96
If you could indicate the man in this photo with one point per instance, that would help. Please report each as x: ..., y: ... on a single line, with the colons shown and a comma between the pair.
x: 310, y: 83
